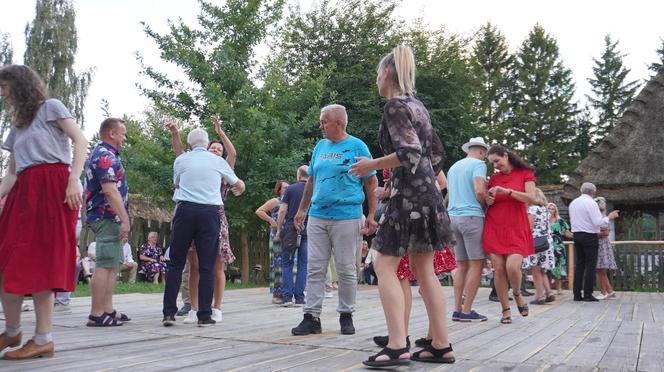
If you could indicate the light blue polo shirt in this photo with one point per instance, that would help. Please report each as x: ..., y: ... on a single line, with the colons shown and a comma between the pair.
x: 337, y: 194
x: 463, y: 202
x: 198, y: 174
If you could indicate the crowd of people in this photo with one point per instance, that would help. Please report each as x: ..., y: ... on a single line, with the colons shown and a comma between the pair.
x: 496, y: 226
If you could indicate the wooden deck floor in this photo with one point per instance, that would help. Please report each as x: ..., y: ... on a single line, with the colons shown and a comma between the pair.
x: 622, y: 334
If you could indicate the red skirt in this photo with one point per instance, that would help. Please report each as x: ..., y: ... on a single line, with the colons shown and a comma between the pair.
x: 38, y: 233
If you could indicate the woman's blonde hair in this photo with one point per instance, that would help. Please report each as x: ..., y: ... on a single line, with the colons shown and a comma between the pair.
x: 401, y: 63
x: 601, y: 202
x: 540, y: 198
x: 555, y: 208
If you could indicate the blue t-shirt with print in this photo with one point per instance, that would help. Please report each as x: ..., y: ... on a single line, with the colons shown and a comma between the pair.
x: 337, y: 194
x: 463, y: 202
x: 104, y: 165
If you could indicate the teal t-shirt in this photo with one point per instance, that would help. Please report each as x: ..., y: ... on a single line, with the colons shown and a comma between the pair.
x: 463, y: 202
x: 337, y: 194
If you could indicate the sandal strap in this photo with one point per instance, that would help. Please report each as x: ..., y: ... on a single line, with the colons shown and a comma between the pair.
x: 391, y: 353
x: 435, y: 353
x: 506, y: 309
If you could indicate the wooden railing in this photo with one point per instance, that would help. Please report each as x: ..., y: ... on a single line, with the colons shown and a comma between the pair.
x: 640, y: 265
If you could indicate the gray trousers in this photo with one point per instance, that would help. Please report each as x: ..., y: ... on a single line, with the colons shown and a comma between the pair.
x: 323, y: 234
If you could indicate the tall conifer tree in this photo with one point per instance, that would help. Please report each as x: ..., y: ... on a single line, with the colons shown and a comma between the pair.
x: 51, y: 45
x: 6, y: 56
x: 612, y: 93
x: 543, y: 117
x: 655, y: 66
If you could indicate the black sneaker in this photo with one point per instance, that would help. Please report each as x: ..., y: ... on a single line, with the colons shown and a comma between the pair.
x: 169, y: 320
x: 494, y: 297
x: 308, y: 325
x: 382, y: 341
x: 207, y: 322
x: 346, y: 323
x: 184, y: 310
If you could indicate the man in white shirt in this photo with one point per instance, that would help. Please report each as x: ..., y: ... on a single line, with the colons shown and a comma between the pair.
x: 129, y: 266
x: 586, y: 220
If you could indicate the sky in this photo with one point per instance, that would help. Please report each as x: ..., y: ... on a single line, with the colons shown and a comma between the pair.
x: 110, y: 35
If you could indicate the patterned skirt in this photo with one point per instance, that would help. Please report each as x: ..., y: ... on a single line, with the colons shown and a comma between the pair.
x: 605, y: 258
x: 225, y: 250
x: 276, y: 280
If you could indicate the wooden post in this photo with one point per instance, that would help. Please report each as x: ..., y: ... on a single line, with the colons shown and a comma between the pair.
x: 244, y: 270
x: 570, y: 266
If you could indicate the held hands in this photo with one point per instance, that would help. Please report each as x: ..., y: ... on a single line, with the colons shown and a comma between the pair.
x: 299, y: 220
x: 362, y: 167
x: 217, y: 123
x: 73, y: 194
x: 489, y: 200
x: 370, y: 226
x: 238, y: 188
x: 171, y: 126
x: 498, y: 190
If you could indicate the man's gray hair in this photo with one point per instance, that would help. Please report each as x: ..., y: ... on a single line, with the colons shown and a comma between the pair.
x: 336, y: 107
x: 302, y: 172
x: 153, y: 233
x: 588, y: 188
x: 198, y: 138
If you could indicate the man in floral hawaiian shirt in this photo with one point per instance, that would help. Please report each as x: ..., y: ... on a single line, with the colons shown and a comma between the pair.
x: 106, y: 198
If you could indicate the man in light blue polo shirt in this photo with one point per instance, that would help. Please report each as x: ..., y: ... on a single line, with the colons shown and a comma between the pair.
x: 467, y: 187
x: 335, y: 197
x: 198, y: 176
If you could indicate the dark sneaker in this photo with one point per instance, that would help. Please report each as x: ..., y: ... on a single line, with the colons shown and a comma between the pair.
x: 494, y: 297
x: 207, y: 322
x: 184, y: 310
x: 169, y: 320
x: 526, y: 293
x: 382, y: 341
x: 308, y: 325
x: 472, y: 317
x: 455, y: 316
x: 346, y: 323
x: 591, y: 298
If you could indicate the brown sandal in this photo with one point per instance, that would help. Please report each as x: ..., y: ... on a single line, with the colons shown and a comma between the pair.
x: 523, y: 310
x: 506, y: 319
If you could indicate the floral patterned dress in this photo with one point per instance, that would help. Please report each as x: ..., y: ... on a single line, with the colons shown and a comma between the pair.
x: 558, y: 229
x: 415, y: 219
x: 151, y: 269
x: 605, y: 258
x: 225, y: 250
x: 544, y: 260
x: 276, y: 280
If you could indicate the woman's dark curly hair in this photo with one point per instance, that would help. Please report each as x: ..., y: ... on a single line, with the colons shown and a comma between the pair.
x: 27, y: 92
x: 514, y: 159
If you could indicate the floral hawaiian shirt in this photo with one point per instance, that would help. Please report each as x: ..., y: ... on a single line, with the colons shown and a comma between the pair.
x: 104, y: 165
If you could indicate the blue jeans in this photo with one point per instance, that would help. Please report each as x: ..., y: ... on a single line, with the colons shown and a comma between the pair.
x: 287, y: 259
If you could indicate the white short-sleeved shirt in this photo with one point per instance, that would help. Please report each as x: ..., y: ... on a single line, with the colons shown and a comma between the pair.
x: 43, y: 141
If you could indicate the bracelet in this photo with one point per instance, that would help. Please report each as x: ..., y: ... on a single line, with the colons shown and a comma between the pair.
x: 510, y: 192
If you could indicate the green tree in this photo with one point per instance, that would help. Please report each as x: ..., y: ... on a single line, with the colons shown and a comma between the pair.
x: 543, y: 117
x: 218, y: 59
x: 492, y: 64
x: 584, y: 130
x: 6, y: 56
x: 612, y: 93
x: 51, y: 46
x: 655, y: 66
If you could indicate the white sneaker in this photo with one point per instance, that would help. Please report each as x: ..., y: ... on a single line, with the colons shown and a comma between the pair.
x: 601, y: 296
x: 191, y: 317
x: 25, y: 307
x: 60, y: 308
x: 216, y: 315
x: 329, y: 294
x: 611, y: 295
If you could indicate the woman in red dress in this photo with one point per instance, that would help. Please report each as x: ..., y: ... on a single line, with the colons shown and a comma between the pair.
x: 38, y: 222
x: 507, y: 236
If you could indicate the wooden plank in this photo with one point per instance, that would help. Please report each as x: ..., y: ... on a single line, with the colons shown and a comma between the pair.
x: 651, y: 357
x: 642, y: 312
x: 623, y: 353
x: 593, y: 347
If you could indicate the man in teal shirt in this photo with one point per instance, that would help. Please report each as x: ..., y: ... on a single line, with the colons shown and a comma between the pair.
x: 335, y: 198
x: 467, y: 187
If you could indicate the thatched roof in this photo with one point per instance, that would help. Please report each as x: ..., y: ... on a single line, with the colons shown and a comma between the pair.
x: 140, y: 207
x: 628, y: 165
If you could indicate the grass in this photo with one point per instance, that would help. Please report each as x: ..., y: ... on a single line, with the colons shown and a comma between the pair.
x: 83, y: 290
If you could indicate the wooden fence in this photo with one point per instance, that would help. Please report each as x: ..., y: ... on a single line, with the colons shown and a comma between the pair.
x: 258, y: 250
x: 640, y: 265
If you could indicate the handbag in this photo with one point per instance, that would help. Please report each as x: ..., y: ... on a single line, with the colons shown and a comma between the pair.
x: 541, y: 244
x: 446, y: 262
x: 289, y: 237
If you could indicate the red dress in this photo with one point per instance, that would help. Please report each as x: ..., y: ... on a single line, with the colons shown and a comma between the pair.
x: 506, y: 226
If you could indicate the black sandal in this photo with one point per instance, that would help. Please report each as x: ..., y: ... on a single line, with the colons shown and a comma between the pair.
x: 506, y: 319
x: 123, y: 317
x: 523, y: 310
x: 394, y: 360
x: 436, y: 355
x: 422, y: 342
x: 105, y: 320
x: 382, y: 341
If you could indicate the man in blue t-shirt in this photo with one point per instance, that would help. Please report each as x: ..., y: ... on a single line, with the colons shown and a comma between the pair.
x: 335, y: 198
x: 466, y: 182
